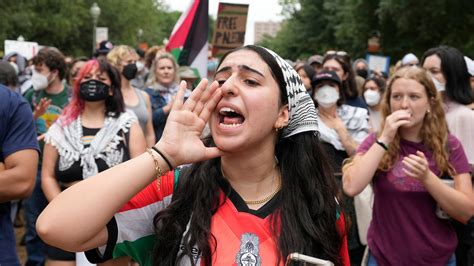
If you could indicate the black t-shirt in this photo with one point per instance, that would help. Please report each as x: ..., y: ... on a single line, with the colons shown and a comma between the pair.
x: 74, y: 173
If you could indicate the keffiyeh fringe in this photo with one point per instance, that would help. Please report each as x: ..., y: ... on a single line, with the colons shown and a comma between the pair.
x: 68, y: 142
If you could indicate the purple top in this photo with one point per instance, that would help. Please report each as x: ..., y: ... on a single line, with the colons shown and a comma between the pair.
x: 405, y: 229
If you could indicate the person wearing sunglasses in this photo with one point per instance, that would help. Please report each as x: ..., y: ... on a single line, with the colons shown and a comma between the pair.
x: 339, y: 53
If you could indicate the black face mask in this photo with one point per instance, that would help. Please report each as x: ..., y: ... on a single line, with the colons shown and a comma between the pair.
x: 362, y: 73
x: 130, y: 71
x: 94, y: 90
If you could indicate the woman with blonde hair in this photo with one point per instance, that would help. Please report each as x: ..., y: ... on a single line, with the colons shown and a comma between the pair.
x: 162, y: 86
x: 124, y: 58
x: 410, y: 163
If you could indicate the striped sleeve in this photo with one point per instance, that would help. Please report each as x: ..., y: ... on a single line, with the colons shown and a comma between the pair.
x: 131, y: 231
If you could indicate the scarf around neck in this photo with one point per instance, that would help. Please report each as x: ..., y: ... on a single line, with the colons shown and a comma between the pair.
x: 68, y: 142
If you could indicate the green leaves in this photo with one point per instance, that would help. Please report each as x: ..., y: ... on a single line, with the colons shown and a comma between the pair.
x: 405, y: 26
x: 68, y: 25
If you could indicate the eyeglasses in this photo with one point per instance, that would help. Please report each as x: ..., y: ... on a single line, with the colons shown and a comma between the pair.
x: 332, y: 52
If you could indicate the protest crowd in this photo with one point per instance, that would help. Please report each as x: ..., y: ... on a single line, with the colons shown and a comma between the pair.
x: 128, y: 158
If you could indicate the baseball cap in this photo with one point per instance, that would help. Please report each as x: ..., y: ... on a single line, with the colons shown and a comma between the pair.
x: 325, y: 75
x: 104, y: 47
x: 315, y: 59
x: 409, y: 59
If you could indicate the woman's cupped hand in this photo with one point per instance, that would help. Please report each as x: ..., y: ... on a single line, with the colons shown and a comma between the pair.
x: 181, y: 140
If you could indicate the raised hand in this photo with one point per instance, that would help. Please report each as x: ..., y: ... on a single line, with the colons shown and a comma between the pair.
x: 41, y: 107
x: 332, y: 120
x: 181, y: 140
x: 41, y: 137
x: 392, y: 123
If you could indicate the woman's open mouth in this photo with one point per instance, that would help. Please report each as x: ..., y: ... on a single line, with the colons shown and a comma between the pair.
x: 228, y: 117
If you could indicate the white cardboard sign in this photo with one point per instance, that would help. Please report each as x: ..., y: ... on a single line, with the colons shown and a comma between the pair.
x: 26, y: 49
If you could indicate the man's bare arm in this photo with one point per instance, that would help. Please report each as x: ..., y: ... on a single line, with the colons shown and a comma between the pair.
x: 17, y: 179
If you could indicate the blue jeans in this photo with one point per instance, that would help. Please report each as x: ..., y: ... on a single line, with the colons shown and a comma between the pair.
x: 33, y: 206
x: 8, y: 254
x: 372, y: 262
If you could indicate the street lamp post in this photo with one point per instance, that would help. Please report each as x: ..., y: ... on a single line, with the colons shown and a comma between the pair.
x: 139, y: 36
x: 373, y: 44
x: 95, y: 13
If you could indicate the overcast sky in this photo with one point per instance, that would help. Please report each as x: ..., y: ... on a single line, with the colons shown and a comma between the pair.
x: 259, y: 10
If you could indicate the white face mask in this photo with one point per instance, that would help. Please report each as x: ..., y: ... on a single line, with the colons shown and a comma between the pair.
x: 39, y: 81
x: 372, y: 97
x: 327, y: 96
x: 140, y: 66
x: 439, y: 86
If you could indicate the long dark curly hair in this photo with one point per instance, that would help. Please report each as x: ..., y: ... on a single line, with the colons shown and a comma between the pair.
x: 304, y: 221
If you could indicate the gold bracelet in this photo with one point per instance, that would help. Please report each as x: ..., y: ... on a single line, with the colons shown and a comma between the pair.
x: 158, y: 171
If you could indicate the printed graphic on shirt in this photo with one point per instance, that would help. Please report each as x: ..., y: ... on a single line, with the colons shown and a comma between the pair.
x: 47, y: 119
x: 249, y: 251
x: 401, y: 181
x: 86, y: 140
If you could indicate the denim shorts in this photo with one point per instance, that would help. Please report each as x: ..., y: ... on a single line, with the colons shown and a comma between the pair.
x: 54, y: 253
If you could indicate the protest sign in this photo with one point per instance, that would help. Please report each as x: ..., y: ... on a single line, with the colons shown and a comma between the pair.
x: 26, y: 49
x: 229, y: 32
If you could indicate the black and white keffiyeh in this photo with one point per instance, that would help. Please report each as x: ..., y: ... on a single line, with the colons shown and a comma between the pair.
x: 302, y: 112
x: 68, y: 142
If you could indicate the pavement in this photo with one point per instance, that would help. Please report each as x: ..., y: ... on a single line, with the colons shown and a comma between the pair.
x: 21, y: 250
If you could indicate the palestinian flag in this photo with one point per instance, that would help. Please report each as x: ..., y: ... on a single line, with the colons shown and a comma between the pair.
x: 188, y: 41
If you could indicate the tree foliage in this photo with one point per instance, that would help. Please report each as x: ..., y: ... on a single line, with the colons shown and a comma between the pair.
x: 68, y: 25
x: 314, y: 26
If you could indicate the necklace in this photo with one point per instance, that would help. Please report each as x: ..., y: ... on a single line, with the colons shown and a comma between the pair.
x: 267, y: 198
x: 260, y: 201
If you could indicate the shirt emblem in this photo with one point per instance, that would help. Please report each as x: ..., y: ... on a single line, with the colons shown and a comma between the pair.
x: 249, y: 251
